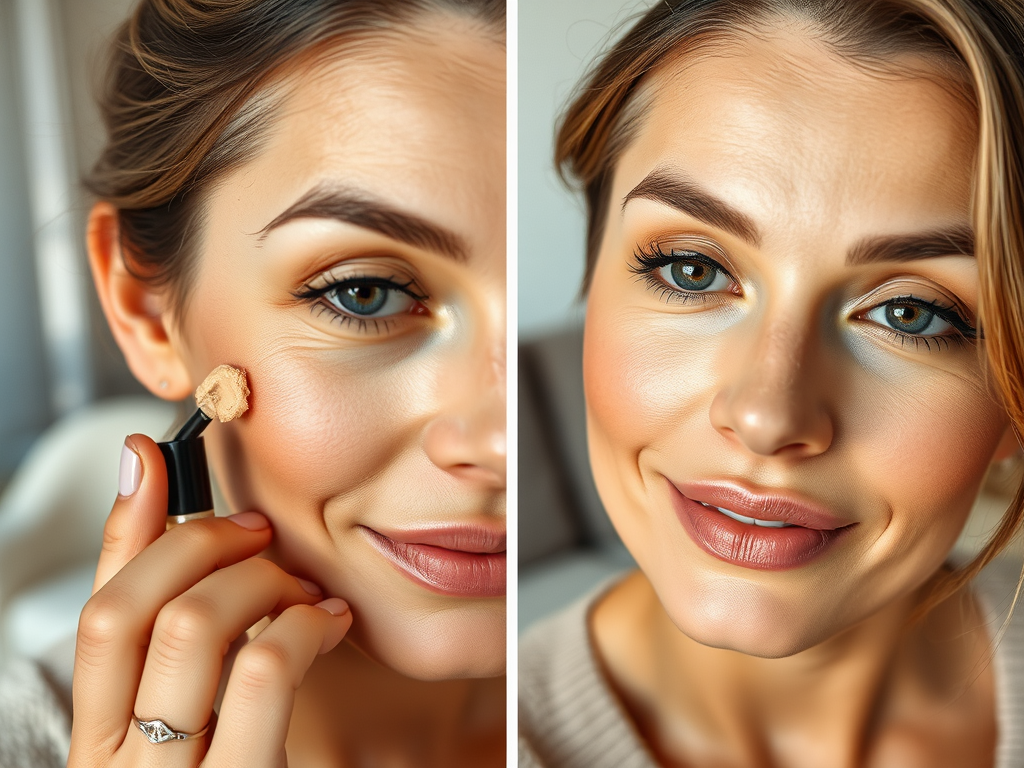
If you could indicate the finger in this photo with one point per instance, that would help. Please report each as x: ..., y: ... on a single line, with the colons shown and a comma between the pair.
x: 139, y: 513
x: 257, y: 709
x: 115, y: 625
x: 191, y: 635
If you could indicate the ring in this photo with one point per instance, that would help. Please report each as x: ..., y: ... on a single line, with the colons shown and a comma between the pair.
x: 157, y: 731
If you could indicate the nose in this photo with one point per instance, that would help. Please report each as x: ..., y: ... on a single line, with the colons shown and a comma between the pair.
x: 772, y: 402
x: 466, y: 438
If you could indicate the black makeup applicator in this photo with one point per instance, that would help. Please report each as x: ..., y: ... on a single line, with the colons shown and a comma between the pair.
x: 223, y: 395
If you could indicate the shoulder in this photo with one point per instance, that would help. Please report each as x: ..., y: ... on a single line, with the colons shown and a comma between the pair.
x: 35, y: 715
x: 568, y: 715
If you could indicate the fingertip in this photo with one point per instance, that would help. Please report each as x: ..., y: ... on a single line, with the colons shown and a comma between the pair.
x: 339, y: 627
x: 251, y: 521
x: 334, y: 606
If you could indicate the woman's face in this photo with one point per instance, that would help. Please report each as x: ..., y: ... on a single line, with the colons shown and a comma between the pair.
x: 356, y: 269
x: 781, y: 324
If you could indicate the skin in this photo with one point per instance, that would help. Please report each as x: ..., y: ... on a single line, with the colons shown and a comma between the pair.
x: 785, y: 383
x: 395, y: 423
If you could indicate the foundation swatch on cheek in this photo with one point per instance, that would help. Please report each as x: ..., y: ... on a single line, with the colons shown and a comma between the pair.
x: 224, y: 394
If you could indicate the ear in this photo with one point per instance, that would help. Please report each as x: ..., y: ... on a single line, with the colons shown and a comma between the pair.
x: 1008, y: 445
x: 135, y: 311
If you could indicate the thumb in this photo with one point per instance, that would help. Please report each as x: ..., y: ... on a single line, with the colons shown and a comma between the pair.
x: 139, y: 514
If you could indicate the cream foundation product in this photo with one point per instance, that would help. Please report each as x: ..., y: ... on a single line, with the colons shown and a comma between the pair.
x: 224, y: 395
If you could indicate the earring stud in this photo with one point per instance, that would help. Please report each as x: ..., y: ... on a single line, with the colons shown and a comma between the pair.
x: 163, y: 383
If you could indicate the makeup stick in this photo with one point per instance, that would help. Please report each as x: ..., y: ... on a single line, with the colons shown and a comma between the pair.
x: 223, y: 395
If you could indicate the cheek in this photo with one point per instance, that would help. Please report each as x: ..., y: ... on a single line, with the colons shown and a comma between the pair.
x: 644, y: 378
x: 921, y: 441
x: 322, y: 423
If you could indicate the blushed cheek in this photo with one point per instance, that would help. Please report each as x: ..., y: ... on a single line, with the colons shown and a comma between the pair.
x: 924, y: 448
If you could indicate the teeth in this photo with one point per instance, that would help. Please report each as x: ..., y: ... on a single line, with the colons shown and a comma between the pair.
x: 749, y: 520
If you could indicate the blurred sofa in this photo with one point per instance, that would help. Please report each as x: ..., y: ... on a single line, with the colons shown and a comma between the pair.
x: 52, y: 515
x: 566, y: 542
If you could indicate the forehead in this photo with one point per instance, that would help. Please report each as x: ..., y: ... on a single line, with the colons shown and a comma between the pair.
x: 782, y: 127
x: 415, y: 118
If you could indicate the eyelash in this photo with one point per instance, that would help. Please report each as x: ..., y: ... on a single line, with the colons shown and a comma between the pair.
x: 965, y: 332
x: 648, y: 262
x: 321, y: 306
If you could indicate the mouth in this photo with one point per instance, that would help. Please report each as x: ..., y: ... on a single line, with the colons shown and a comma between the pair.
x: 762, y: 531
x: 460, y: 561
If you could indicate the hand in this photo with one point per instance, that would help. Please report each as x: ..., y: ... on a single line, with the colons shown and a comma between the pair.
x: 165, y: 609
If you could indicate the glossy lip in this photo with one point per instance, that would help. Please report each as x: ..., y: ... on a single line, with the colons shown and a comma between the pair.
x: 812, y: 530
x: 462, y: 560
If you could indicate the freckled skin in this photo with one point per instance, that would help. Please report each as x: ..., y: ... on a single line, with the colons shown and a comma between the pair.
x: 786, y: 386
x: 338, y: 433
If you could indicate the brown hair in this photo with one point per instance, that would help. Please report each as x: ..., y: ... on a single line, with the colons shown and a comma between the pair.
x: 186, y: 100
x: 975, y: 44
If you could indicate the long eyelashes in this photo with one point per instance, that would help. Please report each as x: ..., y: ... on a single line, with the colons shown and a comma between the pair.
x: 963, y: 332
x: 661, y: 273
x: 326, y: 301
x: 648, y: 262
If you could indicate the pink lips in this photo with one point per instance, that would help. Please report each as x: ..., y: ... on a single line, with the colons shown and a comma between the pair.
x: 463, y: 561
x: 810, y: 531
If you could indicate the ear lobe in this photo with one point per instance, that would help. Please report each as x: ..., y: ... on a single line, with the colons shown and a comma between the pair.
x: 135, y: 311
x: 1008, y: 445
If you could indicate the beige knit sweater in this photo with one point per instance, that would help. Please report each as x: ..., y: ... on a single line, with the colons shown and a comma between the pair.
x: 569, y: 717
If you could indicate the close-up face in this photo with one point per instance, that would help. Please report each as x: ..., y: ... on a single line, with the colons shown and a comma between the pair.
x: 355, y: 268
x: 782, y: 324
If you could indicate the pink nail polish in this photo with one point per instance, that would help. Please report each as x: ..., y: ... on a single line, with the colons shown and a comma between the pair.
x: 130, y: 474
x: 309, y: 586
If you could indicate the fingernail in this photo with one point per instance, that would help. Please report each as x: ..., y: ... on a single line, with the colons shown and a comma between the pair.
x: 334, y: 606
x: 130, y: 474
x: 309, y: 586
x: 252, y: 521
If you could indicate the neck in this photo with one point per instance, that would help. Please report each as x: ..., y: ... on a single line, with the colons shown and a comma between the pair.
x: 350, y: 710
x: 828, y: 705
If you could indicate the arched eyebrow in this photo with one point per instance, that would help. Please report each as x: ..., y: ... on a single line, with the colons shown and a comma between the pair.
x: 678, y: 191
x: 361, y: 209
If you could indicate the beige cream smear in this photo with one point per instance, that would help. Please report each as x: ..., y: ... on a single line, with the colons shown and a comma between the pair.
x: 224, y: 394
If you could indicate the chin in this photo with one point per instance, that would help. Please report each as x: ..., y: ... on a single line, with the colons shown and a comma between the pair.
x: 741, y: 616
x: 446, y: 644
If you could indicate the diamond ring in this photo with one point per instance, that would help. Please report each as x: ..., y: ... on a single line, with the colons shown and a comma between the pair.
x: 157, y: 731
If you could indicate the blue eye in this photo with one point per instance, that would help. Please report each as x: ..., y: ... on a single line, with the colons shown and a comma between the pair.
x: 369, y: 298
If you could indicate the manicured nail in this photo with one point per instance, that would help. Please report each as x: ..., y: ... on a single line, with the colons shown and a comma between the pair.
x: 252, y: 521
x: 334, y: 606
x: 130, y: 474
x: 309, y: 586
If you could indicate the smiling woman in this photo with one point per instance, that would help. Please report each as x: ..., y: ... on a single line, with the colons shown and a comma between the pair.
x: 802, y: 353
x: 313, y: 193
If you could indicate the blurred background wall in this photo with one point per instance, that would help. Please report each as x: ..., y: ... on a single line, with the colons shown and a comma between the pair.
x: 558, y: 39
x: 56, y: 354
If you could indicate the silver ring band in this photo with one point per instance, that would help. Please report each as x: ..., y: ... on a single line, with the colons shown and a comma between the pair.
x: 157, y: 731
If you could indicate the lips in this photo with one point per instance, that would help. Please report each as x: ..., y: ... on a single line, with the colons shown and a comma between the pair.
x: 762, y: 531
x: 461, y: 561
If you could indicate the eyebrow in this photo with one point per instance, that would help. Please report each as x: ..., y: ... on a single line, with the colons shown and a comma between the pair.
x: 682, y: 193
x: 361, y: 209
